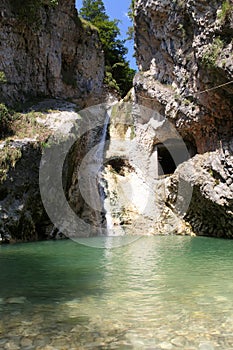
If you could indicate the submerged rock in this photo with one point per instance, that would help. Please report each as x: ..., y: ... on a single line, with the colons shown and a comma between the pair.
x: 16, y: 300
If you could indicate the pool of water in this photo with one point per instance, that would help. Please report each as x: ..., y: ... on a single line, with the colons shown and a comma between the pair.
x: 155, y: 293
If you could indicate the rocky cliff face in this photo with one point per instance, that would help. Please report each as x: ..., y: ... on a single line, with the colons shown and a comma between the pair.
x: 184, y: 52
x: 183, y: 49
x: 23, y: 216
x: 211, y: 176
x: 62, y: 139
x: 47, y: 51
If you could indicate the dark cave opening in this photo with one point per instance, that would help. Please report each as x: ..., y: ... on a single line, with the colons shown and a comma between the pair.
x: 165, y: 160
x: 120, y: 165
x: 171, y: 153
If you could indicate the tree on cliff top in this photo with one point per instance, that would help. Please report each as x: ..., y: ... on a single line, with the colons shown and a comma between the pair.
x: 118, y: 74
x: 130, y: 15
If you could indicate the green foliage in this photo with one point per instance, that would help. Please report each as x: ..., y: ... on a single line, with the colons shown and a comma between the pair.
x: 27, y: 10
x: 181, y: 29
x: 179, y: 3
x: 111, y: 82
x: 21, y: 124
x: 225, y: 11
x: 3, y: 79
x: 130, y: 32
x: 131, y: 10
x: 124, y: 75
x: 118, y: 74
x: 93, y: 11
x: 53, y: 2
x: 211, y: 55
x: 8, y: 159
x: 87, y: 25
x: 5, y: 120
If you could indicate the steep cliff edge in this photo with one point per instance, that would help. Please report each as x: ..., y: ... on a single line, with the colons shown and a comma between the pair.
x: 184, y: 48
x: 184, y: 53
x: 184, y: 84
x: 46, y: 50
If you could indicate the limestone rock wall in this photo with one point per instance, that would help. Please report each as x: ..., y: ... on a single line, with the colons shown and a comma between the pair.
x: 22, y: 214
x: 137, y: 201
x: 210, y: 212
x: 45, y: 51
x: 49, y: 53
x: 22, y: 217
x: 184, y: 48
x: 184, y: 53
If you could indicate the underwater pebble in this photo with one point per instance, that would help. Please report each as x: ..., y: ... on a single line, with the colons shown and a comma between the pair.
x: 11, y: 346
x: 206, y: 346
x: 178, y: 341
x: 3, y: 341
x: 26, y: 342
x: 16, y: 300
x: 166, y: 346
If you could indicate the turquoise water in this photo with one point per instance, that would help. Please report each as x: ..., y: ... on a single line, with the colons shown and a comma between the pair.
x: 155, y: 293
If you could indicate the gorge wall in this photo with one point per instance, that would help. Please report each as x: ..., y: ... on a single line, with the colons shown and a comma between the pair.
x: 185, y: 60
x: 184, y: 53
x: 184, y: 84
x: 184, y: 48
x: 48, y: 51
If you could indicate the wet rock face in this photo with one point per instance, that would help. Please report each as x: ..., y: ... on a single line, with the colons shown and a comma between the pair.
x: 50, y: 52
x: 184, y: 48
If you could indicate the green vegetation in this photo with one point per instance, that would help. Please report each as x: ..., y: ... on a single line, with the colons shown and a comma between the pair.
x: 26, y: 125
x: 110, y: 81
x: 179, y: 3
x: 118, y: 74
x: 181, y: 29
x: 27, y: 10
x: 211, y: 55
x: 88, y: 25
x: 8, y: 159
x: 226, y: 11
x: 3, y: 79
x: 6, y: 117
x: 130, y: 14
x: 21, y: 125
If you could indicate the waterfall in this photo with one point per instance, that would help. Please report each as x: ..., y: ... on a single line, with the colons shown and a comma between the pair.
x: 101, y: 145
x: 90, y: 179
x: 100, y: 156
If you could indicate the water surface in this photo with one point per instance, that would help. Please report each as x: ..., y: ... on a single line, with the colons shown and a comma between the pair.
x: 155, y: 293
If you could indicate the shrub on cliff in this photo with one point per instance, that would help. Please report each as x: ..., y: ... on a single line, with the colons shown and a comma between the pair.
x: 130, y: 15
x: 5, y: 120
x: 226, y: 11
x: 118, y: 73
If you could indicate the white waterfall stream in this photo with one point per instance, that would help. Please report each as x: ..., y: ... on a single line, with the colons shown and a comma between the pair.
x: 91, y: 182
x: 101, y: 144
x: 100, y: 155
